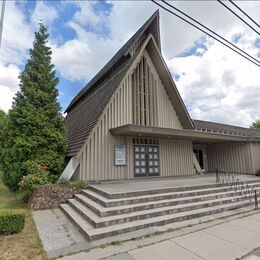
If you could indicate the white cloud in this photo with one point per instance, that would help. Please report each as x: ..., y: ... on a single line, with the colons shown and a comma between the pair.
x: 217, y: 85
x: 220, y: 86
x: 9, y: 85
x: 17, y: 35
x: 44, y: 13
x: 17, y: 39
x: 78, y: 59
x: 9, y: 76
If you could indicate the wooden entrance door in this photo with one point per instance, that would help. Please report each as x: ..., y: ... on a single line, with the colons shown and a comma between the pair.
x: 146, y: 160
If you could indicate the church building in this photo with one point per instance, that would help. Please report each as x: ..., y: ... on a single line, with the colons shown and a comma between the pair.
x: 130, y: 121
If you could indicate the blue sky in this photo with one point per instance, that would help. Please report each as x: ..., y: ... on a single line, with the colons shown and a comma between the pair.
x: 60, y: 33
x: 84, y: 35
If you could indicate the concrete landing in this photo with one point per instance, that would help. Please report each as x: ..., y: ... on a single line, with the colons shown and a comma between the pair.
x: 165, y: 182
x: 58, y: 235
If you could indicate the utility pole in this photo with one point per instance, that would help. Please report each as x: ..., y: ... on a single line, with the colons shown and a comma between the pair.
x: 2, y: 20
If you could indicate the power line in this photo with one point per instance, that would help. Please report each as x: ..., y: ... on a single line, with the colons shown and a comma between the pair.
x: 239, y: 17
x: 166, y: 9
x: 214, y: 33
x: 2, y: 21
x: 242, y: 11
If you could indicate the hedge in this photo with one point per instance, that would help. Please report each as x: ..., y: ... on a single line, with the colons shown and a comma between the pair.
x: 11, y: 221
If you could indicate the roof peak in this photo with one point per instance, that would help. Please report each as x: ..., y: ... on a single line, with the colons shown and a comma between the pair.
x: 150, y: 26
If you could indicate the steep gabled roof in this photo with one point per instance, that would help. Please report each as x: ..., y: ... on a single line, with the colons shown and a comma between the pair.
x: 86, y: 108
x: 150, y: 26
x: 81, y: 120
x: 200, y: 124
x: 170, y: 87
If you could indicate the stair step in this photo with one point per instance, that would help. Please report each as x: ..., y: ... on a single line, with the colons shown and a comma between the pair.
x: 98, y: 233
x: 77, y: 218
x: 98, y: 221
x: 146, y: 198
x: 129, y: 194
x: 123, y: 209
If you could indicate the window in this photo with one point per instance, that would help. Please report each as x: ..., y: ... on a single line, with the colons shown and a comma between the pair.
x: 144, y: 93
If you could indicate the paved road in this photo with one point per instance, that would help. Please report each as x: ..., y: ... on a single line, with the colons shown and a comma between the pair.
x: 230, y: 240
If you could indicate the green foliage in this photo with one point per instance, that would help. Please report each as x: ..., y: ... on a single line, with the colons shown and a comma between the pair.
x: 11, y: 221
x: 79, y: 184
x: 37, y: 175
x: 256, y: 125
x: 3, y: 120
x: 35, y: 128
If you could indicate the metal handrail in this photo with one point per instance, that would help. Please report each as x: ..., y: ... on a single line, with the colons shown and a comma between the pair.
x: 230, y: 179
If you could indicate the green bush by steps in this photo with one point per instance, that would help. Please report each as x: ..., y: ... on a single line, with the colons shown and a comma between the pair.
x: 79, y: 184
x: 11, y: 221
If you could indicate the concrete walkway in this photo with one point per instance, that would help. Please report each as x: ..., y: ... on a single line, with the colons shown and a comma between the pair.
x: 228, y: 239
x: 157, y: 183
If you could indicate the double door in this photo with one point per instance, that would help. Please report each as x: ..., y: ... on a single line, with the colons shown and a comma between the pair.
x: 146, y: 160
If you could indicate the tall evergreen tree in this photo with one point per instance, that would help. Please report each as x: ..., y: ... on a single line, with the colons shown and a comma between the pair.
x: 35, y: 129
x: 3, y: 121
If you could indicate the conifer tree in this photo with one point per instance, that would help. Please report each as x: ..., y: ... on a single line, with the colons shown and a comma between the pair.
x: 35, y: 127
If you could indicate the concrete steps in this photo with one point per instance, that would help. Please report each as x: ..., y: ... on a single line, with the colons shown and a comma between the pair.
x: 100, y: 214
x: 123, y: 209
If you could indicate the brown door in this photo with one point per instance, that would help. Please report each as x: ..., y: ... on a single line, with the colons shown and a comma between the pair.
x: 146, y: 160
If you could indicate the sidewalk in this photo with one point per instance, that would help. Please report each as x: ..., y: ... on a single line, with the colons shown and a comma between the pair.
x: 226, y: 240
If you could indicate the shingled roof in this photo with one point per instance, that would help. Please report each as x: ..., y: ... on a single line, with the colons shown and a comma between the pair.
x: 117, y: 60
x: 229, y: 129
x: 85, y: 109
x: 81, y: 120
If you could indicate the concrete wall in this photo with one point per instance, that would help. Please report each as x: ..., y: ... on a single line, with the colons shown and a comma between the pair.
x: 232, y: 157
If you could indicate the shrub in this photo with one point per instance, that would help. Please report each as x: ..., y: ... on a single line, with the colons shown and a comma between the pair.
x: 79, y: 184
x: 11, y: 222
x: 257, y: 173
x: 37, y: 175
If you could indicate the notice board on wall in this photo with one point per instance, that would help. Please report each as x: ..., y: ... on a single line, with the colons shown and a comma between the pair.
x: 120, y: 154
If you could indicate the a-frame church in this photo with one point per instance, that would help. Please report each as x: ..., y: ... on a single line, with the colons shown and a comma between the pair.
x: 130, y: 121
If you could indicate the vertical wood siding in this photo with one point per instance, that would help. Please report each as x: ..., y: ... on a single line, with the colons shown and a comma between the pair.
x: 232, y: 157
x: 97, y: 156
x: 99, y: 148
x: 255, y: 152
x: 176, y: 157
x: 166, y: 114
x: 144, y: 95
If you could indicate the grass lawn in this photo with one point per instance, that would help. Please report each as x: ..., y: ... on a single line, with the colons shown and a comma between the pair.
x: 26, y: 244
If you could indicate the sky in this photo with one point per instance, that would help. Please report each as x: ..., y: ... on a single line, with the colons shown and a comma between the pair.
x: 215, y: 84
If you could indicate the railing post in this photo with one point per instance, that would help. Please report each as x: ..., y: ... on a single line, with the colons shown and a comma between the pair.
x: 256, y: 202
x: 217, y: 177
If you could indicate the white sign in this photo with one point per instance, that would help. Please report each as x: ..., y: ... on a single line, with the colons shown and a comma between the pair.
x: 120, y: 154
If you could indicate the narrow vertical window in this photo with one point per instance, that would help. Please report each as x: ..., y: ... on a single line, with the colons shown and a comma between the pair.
x: 143, y: 94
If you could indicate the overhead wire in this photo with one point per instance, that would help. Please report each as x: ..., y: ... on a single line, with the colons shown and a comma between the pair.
x: 207, y: 33
x: 242, y: 11
x: 239, y: 17
x: 205, y: 27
